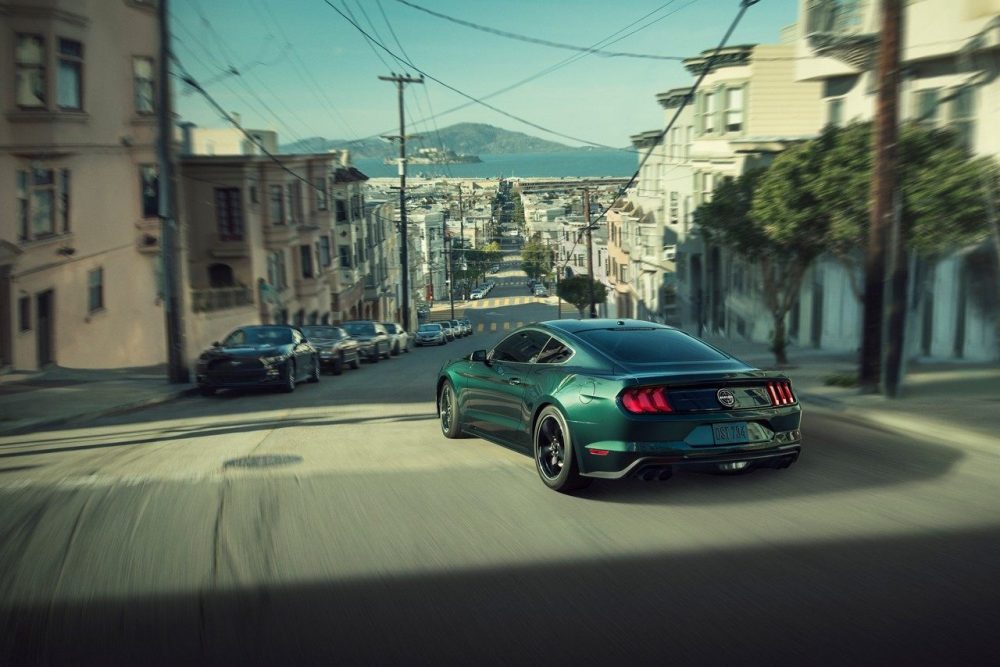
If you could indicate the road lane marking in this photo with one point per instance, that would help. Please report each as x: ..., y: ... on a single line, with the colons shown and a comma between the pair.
x: 493, y: 326
x: 506, y: 326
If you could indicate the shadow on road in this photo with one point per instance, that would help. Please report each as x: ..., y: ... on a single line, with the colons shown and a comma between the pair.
x: 927, y: 599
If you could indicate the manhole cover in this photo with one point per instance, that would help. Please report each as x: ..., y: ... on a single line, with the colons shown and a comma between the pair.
x: 264, y: 461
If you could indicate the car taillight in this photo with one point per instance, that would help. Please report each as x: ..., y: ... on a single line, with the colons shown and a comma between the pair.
x: 780, y: 392
x: 646, y: 400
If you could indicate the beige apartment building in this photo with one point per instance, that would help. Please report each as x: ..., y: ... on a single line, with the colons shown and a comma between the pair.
x: 79, y: 236
x: 284, y: 243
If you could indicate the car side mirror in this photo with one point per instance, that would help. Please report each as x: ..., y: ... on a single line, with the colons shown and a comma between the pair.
x: 478, y: 355
x: 305, y: 340
x: 216, y: 344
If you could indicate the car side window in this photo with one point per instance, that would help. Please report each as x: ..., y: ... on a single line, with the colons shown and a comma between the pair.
x: 238, y: 337
x: 296, y: 336
x: 554, y: 352
x: 520, y: 347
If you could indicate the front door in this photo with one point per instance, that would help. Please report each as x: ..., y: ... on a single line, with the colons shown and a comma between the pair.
x: 46, y: 345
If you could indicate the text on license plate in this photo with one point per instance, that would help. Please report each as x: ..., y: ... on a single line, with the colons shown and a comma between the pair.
x: 730, y: 433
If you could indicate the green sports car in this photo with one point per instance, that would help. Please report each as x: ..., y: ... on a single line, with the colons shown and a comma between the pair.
x: 610, y: 398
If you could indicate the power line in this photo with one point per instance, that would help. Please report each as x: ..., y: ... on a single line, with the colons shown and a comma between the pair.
x: 460, y: 92
x: 744, y: 5
x: 190, y: 80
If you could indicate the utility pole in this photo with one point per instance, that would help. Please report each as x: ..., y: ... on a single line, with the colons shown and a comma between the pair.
x: 590, y: 251
x: 884, y: 185
x: 177, y: 370
x: 449, y: 272
x: 404, y: 255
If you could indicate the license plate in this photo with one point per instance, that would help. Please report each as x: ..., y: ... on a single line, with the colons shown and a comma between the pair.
x: 730, y: 433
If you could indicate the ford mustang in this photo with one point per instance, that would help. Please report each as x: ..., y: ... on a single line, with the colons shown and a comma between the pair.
x: 258, y: 356
x: 611, y: 398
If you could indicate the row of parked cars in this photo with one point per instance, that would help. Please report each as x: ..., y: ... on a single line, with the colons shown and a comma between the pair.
x: 481, y: 291
x: 439, y: 333
x: 282, y: 355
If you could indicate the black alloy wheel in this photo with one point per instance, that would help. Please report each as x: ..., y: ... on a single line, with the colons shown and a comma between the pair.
x: 316, y: 369
x: 448, y: 412
x: 554, y: 459
x: 395, y: 349
x: 290, y: 371
x: 338, y: 364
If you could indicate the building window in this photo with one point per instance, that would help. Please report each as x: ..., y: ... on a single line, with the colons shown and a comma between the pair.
x: 927, y: 106
x: 144, y: 82
x: 674, y: 210
x: 963, y: 116
x: 69, y: 88
x: 43, y: 203
x: 277, y: 210
x: 150, y: 184
x: 734, y: 110
x: 345, y: 256
x: 295, y: 202
x: 306, y: 257
x: 276, y: 270
x: 709, y: 113
x: 229, y: 214
x: 341, y: 210
x: 325, y: 258
x: 29, y: 76
x: 95, y: 290
x: 320, y: 190
x: 835, y: 112
x: 24, y: 314
x: 254, y: 197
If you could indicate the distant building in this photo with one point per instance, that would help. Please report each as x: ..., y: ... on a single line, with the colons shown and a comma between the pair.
x: 227, y: 141
x: 79, y: 232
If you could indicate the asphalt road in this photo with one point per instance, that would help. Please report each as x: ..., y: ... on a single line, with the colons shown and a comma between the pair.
x: 365, y: 537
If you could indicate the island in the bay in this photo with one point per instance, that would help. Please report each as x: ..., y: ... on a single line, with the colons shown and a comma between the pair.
x: 436, y: 156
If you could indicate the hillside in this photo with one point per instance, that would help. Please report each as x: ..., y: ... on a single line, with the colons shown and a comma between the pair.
x: 470, y: 138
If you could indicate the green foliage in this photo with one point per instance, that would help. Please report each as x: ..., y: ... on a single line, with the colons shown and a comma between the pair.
x: 536, y: 258
x: 577, y: 291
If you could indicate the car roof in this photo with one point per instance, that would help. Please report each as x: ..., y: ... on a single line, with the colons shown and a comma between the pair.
x: 576, y: 326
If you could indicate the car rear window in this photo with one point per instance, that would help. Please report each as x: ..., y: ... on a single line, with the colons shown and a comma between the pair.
x: 360, y: 328
x: 430, y: 327
x: 328, y: 333
x: 650, y: 346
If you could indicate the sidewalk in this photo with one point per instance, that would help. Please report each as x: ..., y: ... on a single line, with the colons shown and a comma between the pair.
x: 953, y: 402
x: 30, y: 401
x: 949, y: 401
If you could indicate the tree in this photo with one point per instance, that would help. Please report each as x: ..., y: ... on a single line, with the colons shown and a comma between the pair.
x: 771, y: 218
x: 577, y: 290
x: 536, y: 258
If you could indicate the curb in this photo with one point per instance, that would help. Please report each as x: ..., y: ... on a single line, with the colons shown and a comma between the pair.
x: 82, y: 418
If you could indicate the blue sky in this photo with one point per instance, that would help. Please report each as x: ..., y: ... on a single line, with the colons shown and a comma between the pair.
x: 306, y: 71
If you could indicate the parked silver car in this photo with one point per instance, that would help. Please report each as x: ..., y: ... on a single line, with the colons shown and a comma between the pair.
x: 431, y: 333
x: 400, y: 337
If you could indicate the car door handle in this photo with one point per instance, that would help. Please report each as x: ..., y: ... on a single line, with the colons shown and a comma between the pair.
x: 514, y: 381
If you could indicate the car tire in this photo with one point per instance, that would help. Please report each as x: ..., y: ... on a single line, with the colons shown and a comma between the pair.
x: 316, y: 370
x: 206, y: 391
x: 407, y: 348
x: 443, y: 342
x: 395, y: 350
x: 338, y: 364
x: 356, y: 361
x: 290, y: 371
x: 554, y: 456
x: 373, y: 358
x: 448, y: 413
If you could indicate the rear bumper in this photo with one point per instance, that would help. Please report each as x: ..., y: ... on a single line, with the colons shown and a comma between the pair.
x: 616, y: 465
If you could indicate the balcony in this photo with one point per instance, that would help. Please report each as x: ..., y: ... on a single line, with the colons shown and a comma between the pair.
x: 147, y: 240
x: 308, y: 287
x: 834, y: 29
x: 220, y: 298
x: 278, y: 237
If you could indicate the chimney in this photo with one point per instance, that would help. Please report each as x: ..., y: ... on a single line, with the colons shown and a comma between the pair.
x: 187, y: 138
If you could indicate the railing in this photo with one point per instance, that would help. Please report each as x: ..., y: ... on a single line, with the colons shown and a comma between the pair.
x: 220, y: 298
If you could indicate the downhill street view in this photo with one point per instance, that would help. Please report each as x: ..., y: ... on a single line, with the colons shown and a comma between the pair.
x: 398, y: 332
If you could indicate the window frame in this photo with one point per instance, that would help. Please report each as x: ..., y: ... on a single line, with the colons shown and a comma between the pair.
x: 229, y: 200
x: 30, y: 193
x: 40, y: 69
x: 153, y: 200
x: 74, y: 63
x: 276, y: 198
x: 306, y: 269
x: 138, y: 84
x: 95, y: 290
x: 728, y: 111
x: 24, y: 314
